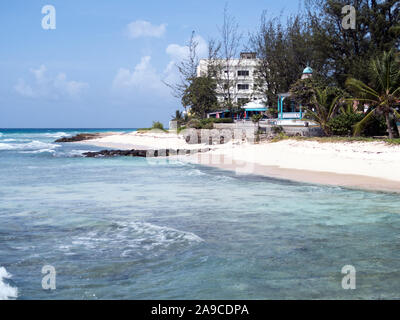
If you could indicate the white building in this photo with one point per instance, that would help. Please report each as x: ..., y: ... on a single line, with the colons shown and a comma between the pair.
x: 240, y: 73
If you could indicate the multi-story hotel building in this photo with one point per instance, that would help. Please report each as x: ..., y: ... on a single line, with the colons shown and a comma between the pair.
x: 240, y: 74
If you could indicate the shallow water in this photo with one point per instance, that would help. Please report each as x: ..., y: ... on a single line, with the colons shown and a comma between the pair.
x: 131, y: 228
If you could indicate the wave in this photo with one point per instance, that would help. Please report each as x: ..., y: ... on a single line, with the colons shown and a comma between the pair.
x: 132, y: 239
x: 38, y: 151
x: 195, y: 172
x: 6, y: 291
x: 56, y: 135
x: 34, y: 145
x: 70, y: 154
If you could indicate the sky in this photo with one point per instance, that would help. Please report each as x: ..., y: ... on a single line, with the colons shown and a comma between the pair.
x: 104, y: 64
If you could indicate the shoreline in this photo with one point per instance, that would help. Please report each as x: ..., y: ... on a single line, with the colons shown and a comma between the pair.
x: 372, y: 166
x: 348, y: 181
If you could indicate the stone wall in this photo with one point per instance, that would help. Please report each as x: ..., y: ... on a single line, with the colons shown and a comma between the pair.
x: 219, y: 135
x: 243, y: 131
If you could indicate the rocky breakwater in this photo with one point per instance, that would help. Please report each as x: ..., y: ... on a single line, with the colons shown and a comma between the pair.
x: 81, y: 137
x: 143, y: 153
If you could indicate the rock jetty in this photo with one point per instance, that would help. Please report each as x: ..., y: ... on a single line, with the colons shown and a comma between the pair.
x: 143, y: 153
x: 80, y: 137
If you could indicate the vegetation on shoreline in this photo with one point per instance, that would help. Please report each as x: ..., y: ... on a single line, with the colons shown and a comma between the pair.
x: 334, y: 139
x: 157, y: 125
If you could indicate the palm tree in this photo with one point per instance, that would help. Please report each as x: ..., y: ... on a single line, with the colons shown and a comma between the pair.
x: 324, y: 108
x: 383, y: 94
x: 178, y: 117
x: 256, y: 118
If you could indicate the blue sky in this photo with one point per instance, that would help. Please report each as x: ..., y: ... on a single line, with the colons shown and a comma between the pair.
x: 102, y: 66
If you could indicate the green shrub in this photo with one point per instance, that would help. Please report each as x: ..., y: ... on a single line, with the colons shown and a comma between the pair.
x: 272, y: 112
x: 342, y: 125
x: 375, y: 127
x: 194, y: 123
x: 215, y: 120
x: 255, y: 118
x: 277, y: 130
x: 208, y: 126
x: 181, y: 129
x: 157, y: 125
x: 207, y: 123
x: 223, y: 120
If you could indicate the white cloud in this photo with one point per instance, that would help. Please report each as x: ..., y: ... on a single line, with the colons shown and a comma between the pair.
x: 141, y: 28
x: 178, y: 52
x: 45, y: 86
x: 144, y: 77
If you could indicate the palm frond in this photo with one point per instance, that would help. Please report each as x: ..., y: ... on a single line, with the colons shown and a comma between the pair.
x: 361, y: 89
x: 396, y: 113
x: 358, y: 127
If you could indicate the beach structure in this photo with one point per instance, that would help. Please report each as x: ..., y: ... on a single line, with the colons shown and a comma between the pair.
x: 245, y: 112
x: 288, y: 109
x: 307, y: 73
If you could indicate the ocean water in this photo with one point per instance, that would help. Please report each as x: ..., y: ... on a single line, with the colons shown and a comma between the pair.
x: 133, y: 228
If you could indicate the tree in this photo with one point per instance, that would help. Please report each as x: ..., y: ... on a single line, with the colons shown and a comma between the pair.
x: 344, y: 52
x: 228, y: 59
x: 200, y: 96
x: 187, y: 69
x: 322, y: 108
x: 256, y: 118
x: 303, y: 91
x: 178, y: 117
x: 283, y: 50
x: 383, y: 93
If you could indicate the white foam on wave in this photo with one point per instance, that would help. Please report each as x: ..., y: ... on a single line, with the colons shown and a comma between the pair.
x: 15, y: 140
x: 71, y: 154
x: 136, y: 238
x: 6, y: 291
x: 32, y: 146
x: 38, y: 151
x: 56, y: 135
x: 196, y: 172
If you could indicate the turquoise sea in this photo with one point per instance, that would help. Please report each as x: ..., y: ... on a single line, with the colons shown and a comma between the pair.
x: 132, y: 228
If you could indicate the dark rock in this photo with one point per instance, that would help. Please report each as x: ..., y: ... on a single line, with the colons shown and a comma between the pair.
x: 80, y: 137
x: 142, y: 153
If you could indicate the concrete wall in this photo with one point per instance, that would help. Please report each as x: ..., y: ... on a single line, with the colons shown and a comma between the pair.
x: 242, y: 131
x: 219, y: 135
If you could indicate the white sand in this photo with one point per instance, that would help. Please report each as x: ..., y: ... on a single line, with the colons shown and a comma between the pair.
x: 371, y: 165
x: 142, y: 141
x: 373, y: 159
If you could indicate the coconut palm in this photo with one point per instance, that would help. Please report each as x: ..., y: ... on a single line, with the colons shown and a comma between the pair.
x: 323, y: 108
x: 178, y: 117
x: 382, y: 94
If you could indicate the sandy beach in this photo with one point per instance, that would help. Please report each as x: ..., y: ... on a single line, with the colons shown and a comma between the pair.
x: 363, y: 165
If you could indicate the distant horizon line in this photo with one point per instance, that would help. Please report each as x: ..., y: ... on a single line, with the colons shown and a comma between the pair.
x: 64, y: 128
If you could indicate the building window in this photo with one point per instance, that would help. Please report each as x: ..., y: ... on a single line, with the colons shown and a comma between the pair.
x: 243, y: 87
x: 243, y: 73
